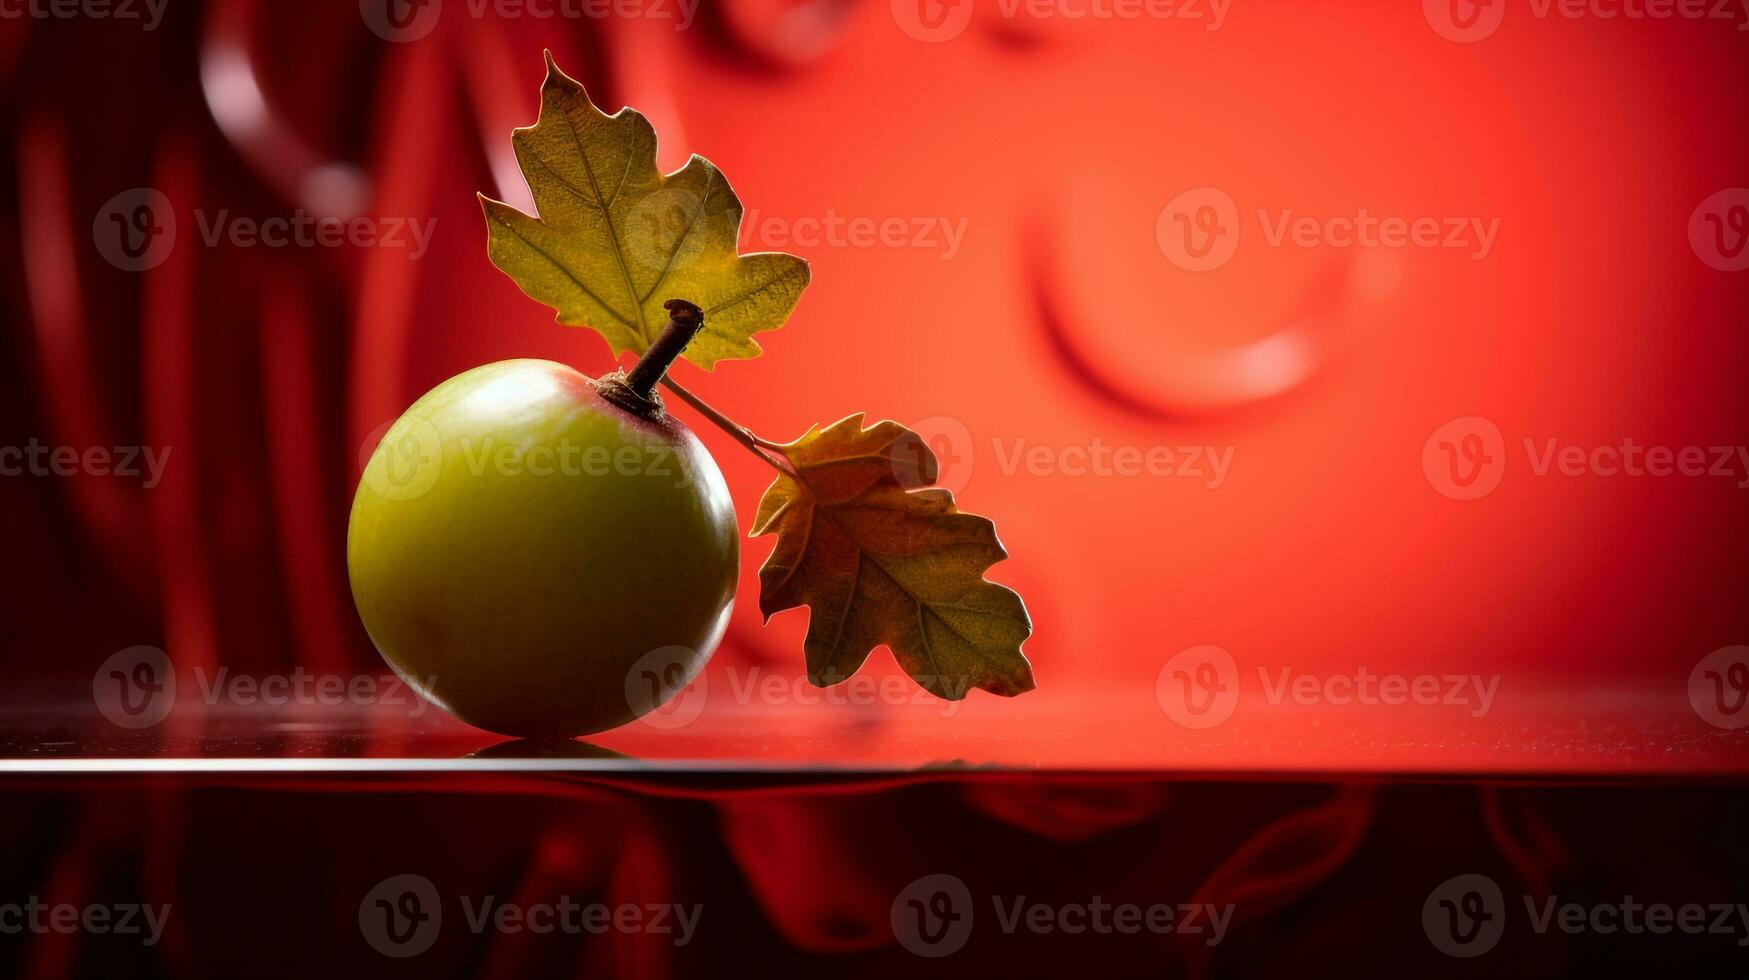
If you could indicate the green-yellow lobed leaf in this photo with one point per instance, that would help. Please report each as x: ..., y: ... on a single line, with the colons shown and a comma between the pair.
x: 880, y: 559
x: 615, y: 237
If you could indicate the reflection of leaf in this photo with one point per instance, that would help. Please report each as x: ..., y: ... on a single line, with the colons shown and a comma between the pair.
x: 880, y: 561
x: 615, y: 238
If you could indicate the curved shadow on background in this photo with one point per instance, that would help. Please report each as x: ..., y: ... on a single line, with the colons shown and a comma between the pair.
x: 1195, y: 384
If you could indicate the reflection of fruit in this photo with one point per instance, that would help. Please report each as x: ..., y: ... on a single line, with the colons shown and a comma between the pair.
x: 546, y: 748
x: 523, y: 535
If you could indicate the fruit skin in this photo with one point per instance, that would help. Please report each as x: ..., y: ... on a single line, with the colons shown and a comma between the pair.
x: 520, y: 547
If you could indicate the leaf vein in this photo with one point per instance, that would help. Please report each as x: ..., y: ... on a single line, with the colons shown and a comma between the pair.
x: 737, y: 300
x: 710, y: 182
x: 543, y: 253
x: 612, y: 232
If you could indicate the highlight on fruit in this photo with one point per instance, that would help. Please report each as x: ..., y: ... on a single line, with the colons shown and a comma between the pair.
x: 545, y: 554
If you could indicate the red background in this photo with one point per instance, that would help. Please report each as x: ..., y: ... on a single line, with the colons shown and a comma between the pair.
x: 1059, y: 321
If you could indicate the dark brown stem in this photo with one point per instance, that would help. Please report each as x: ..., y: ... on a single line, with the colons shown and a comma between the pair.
x: 757, y: 446
x: 684, y: 322
x: 637, y: 391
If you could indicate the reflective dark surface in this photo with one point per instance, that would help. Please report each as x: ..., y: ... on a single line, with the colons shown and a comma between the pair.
x: 866, y: 841
x: 716, y: 725
x: 287, y: 873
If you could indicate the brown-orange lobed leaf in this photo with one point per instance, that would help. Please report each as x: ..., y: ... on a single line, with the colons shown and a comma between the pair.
x: 882, y: 558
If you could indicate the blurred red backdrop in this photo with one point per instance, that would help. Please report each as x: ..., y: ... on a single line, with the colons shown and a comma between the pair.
x: 1059, y: 150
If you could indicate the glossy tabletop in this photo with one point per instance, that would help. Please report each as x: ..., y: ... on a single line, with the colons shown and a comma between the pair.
x: 724, y: 721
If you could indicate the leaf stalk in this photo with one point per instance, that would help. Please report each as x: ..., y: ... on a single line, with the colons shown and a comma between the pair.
x: 685, y: 320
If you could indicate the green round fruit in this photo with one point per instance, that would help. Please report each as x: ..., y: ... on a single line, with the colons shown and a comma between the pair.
x: 539, y: 555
